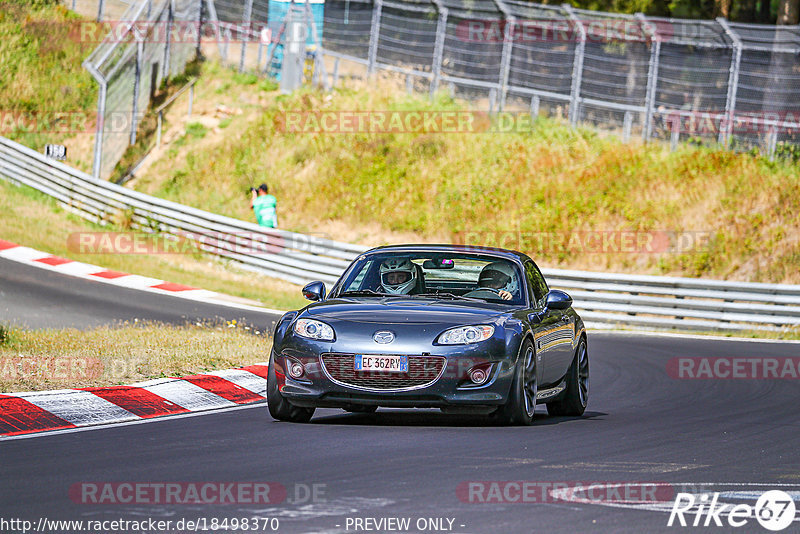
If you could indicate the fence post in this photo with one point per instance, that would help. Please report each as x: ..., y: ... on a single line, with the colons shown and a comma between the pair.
x: 248, y: 15
x: 200, y: 13
x: 212, y: 15
x: 101, y: 113
x: 535, y: 103
x: 577, y: 66
x: 374, y: 34
x: 137, y: 82
x: 508, y: 45
x: 733, y: 82
x: 652, y: 76
x: 170, y: 18
x: 438, y: 47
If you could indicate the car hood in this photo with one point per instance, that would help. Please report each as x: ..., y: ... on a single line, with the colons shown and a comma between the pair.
x: 401, y: 310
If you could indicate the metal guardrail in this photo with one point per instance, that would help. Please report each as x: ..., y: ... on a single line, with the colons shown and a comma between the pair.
x: 651, y: 301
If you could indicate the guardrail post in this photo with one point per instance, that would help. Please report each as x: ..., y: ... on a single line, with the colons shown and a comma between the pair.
x: 733, y: 82
x: 577, y: 66
x: 374, y: 34
x: 248, y: 15
x: 438, y: 47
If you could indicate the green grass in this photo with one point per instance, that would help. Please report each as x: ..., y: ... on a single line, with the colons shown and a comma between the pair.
x: 33, y: 219
x: 40, y: 66
x: 549, y: 180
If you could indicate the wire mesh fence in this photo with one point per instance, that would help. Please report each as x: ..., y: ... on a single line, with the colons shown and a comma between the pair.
x: 674, y: 80
x: 658, y: 78
x: 149, y: 41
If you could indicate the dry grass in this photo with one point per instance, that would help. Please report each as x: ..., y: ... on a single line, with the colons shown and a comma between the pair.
x: 52, y: 359
x: 389, y: 188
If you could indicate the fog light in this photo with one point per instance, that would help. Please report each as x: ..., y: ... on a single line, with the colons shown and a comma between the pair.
x: 296, y: 369
x: 478, y: 376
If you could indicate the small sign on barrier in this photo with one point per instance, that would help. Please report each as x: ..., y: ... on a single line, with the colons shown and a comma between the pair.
x: 58, y: 152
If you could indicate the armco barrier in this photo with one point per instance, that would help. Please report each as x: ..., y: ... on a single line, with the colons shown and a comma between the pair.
x: 651, y: 301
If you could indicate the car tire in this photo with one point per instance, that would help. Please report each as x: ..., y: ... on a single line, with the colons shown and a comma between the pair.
x: 361, y: 409
x: 574, y: 401
x: 521, y: 405
x: 280, y: 408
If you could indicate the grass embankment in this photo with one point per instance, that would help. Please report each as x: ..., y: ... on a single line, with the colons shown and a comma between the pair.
x: 123, y: 354
x: 550, y: 183
x: 45, y: 93
x: 30, y: 218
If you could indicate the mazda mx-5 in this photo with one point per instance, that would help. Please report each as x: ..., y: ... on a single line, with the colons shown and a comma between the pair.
x: 462, y: 329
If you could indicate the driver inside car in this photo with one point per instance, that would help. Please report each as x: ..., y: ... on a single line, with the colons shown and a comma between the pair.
x: 398, y: 276
x: 497, y: 277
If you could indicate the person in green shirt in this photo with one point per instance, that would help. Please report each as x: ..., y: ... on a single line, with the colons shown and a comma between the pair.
x: 263, y: 205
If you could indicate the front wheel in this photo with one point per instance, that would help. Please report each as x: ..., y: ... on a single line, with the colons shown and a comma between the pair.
x: 521, y: 404
x: 280, y: 408
x: 577, y: 395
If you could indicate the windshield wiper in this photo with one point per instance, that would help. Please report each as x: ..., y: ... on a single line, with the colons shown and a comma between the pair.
x: 364, y: 292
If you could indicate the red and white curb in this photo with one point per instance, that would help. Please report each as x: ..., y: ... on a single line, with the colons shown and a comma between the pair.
x: 12, y: 251
x: 40, y: 411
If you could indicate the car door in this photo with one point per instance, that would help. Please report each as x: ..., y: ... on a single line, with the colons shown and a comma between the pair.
x: 554, y: 333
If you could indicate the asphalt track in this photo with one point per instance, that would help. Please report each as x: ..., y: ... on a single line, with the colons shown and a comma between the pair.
x: 641, y: 426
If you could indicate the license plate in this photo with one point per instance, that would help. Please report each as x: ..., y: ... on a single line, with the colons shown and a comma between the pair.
x: 386, y: 364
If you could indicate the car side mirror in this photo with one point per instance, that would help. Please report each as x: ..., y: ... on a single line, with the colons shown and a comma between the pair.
x: 314, y: 291
x: 558, y: 300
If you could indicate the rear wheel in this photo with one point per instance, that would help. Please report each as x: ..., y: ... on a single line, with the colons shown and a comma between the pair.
x: 521, y: 404
x: 280, y: 408
x: 577, y: 395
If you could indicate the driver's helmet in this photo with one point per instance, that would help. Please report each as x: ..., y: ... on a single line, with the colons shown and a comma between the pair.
x: 398, y: 276
x: 499, y: 275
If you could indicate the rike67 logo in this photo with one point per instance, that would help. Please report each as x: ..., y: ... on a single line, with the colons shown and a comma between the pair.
x: 774, y: 510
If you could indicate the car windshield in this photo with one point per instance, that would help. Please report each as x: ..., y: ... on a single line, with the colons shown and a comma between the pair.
x: 479, y: 277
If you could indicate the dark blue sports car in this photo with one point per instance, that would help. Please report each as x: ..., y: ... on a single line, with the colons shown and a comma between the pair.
x: 463, y: 329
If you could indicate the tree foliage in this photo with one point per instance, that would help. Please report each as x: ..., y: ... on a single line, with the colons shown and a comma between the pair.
x: 764, y: 11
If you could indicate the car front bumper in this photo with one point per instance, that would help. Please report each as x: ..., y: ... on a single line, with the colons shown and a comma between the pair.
x: 451, y: 389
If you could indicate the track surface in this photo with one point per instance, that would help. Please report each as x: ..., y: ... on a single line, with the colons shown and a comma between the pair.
x: 38, y: 298
x: 641, y: 425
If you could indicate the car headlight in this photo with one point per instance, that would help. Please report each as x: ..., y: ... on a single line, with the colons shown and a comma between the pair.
x: 313, y: 330
x: 465, y: 334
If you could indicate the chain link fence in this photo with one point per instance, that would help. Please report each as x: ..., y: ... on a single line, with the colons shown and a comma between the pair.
x: 149, y: 41
x: 657, y: 78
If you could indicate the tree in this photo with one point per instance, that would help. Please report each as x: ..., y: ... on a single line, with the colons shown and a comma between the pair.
x: 789, y: 12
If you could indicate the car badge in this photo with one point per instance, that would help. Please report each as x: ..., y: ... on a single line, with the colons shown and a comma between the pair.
x: 383, y: 337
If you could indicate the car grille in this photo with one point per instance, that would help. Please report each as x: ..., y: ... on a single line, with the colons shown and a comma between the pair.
x: 422, y: 371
